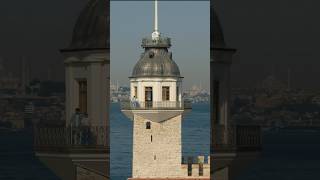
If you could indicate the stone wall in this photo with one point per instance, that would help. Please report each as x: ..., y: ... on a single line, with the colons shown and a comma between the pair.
x: 161, y: 156
x: 199, y: 168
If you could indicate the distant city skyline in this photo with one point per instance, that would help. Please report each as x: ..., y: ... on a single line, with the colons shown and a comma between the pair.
x: 271, y: 37
x: 189, y: 32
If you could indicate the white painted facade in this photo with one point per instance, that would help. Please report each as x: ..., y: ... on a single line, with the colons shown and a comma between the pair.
x: 156, y: 84
x: 93, y: 67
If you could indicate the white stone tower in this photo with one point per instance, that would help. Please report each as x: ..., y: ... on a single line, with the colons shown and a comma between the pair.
x: 156, y: 108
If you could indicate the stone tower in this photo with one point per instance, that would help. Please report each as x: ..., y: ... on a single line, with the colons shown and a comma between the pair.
x: 156, y: 83
x: 156, y: 108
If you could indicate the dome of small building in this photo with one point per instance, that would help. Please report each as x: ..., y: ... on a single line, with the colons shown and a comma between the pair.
x: 156, y: 62
x: 92, y: 27
x: 217, y: 37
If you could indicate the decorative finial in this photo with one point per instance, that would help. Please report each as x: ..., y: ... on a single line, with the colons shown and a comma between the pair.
x: 156, y: 34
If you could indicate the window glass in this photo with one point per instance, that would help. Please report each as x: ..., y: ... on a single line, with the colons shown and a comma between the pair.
x: 165, y: 93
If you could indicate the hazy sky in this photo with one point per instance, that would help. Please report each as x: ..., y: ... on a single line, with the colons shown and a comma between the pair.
x: 273, y: 35
x: 185, y: 22
x: 269, y: 34
x: 37, y: 29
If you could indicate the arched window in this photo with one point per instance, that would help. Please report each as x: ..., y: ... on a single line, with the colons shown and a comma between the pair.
x: 148, y: 125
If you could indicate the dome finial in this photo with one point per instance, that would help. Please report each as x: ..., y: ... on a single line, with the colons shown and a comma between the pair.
x: 156, y: 34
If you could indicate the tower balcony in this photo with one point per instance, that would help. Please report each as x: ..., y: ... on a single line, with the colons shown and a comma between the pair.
x: 83, y: 140
x: 234, y: 148
x: 70, y: 152
x: 236, y: 138
x: 156, y: 111
x: 155, y: 105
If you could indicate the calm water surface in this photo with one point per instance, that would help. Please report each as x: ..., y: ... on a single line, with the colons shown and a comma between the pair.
x: 289, y: 154
x: 17, y: 160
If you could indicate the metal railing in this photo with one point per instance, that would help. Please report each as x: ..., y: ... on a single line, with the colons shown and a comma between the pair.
x: 161, y: 42
x: 155, y: 105
x: 236, y: 137
x: 71, y: 136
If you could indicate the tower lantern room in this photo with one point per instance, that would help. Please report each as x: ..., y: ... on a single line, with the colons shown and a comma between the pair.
x: 156, y: 79
x: 155, y: 82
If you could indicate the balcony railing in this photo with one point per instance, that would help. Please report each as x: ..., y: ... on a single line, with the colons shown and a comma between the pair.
x: 236, y: 138
x: 85, y: 137
x: 161, y: 42
x: 154, y: 105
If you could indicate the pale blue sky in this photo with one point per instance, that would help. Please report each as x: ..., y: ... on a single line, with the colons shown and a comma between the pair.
x: 186, y: 23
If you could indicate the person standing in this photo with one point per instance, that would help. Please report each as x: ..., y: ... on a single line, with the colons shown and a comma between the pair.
x: 75, y: 127
x: 134, y: 102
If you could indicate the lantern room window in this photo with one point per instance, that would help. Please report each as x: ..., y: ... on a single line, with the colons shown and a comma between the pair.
x: 135, y: 94
x: 165, y: 93
x: 83, y: 95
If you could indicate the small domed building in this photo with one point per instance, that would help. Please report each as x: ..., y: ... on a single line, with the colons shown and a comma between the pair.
x: 87, y: 64
x: 73, y: 151
x: 157, y: 70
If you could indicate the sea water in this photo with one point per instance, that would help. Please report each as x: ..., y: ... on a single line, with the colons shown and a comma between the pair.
x: 291, y: 154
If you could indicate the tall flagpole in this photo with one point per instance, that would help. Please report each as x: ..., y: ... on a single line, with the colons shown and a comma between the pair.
x: 156, y: 16
x: 156, y: 34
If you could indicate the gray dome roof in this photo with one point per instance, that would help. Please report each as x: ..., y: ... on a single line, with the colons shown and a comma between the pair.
x: 217, y: 37
x: 92, y: 28
x: 156, y: 62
